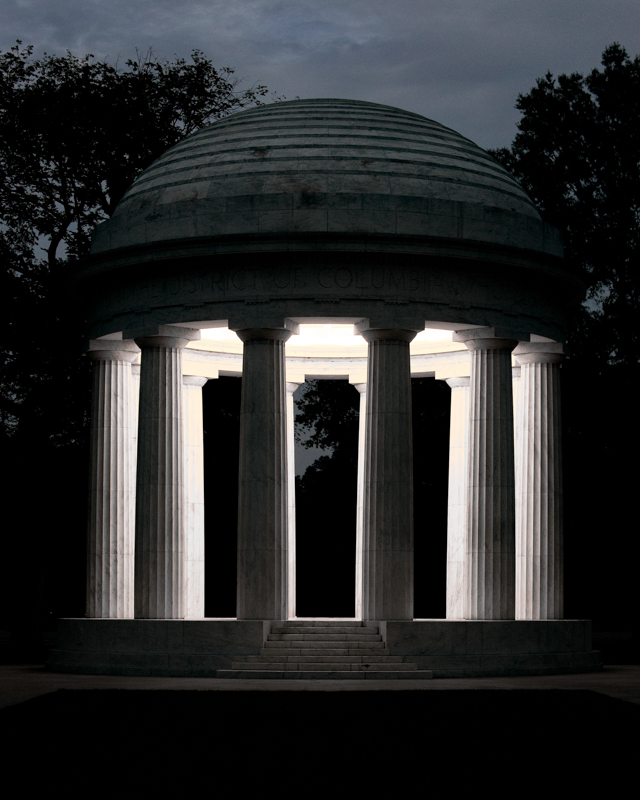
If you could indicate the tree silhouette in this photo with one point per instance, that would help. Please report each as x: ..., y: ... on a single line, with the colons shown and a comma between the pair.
x: 74, y: 134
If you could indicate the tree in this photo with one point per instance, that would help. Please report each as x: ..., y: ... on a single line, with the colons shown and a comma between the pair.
x: 577, y: 153
x: 74, y: 134
x: 328, y: 412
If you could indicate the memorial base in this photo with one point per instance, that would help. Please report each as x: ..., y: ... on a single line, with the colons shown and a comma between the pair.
x: 199, y: 648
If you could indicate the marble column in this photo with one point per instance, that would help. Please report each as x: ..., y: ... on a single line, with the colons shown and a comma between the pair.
x: 110, y: 545
x: 490, y: 559
x: 135, y: 402
x: 262, y: 503
x: 362, y: 438
x: 388, y: 504
x: 457, y: 507
x: 291, y: 501
x: 539, y: 551
x: 517, y: 443
x: 159, y: 559
x: 193, y: 497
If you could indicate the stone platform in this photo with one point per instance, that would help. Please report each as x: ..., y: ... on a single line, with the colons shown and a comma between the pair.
x: 435, y: 648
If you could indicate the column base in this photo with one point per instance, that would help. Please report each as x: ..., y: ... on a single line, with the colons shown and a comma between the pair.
x: 446, y: 648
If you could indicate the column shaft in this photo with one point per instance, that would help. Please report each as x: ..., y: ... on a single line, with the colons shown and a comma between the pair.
x: 135, y: 404
x: 262, y: 504
x: 388, y: 504
x: 362, y: 438
x: 457, y: 506
x: 193, y: 497
x: 291, y: 502
x: 110, y: 545
x: 539, y: 551
x: 159, y: 561
x: 490, y: 565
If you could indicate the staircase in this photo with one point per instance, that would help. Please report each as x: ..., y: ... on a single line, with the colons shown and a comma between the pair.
x: 324, y: 650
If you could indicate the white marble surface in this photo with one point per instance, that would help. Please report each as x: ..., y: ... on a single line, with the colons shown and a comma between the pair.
x: 490, y: 564
x: 539, y: 532
x: 457, y: 502
x: 159, y: 554
x: 193, y: 497
x: 388, y: 501
x: 110, y: 545
x: 362, y: 436
x: 263, y: 478
x: 291, y: 501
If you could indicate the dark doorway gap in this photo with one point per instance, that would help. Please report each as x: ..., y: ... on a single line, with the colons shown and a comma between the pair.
x: 221, y: 422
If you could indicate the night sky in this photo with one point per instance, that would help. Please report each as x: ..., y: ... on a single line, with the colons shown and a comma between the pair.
x: 460, y: 62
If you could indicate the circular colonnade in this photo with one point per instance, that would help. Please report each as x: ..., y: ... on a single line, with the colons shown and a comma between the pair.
x: 326, y: 212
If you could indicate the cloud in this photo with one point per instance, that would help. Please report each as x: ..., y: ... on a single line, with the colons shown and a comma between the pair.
x: 462, y: 62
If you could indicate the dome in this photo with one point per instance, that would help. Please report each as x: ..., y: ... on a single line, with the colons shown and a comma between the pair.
x: 316, y: 166
x: 326, y: 211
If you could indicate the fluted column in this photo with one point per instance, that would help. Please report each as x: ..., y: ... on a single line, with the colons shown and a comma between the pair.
x: 193, y: 497
x: 291, y: 501
x: 362, y: 438
x: 539, y: 550
x: 517, y: 442
x: 490, y: 561
x: 388, y: 504
x: 110, y: 545
x: 457, y: 507
x: 134, y: 406
x: 159, y: 561
x: 262, y: 504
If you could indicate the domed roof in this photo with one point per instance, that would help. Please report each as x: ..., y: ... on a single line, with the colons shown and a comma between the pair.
x: 329, y: 146
x: 331, y: 167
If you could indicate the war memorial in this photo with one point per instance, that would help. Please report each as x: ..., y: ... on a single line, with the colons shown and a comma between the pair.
x: 313, y: 217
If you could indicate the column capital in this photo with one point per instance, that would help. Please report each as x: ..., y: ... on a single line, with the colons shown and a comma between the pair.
x: 150, y: 330
x: 391, y: 321
x: 263, y: 334
x: 483, y: 339
x: 361, y: 387
x: 112, y: 350
x: 457, y: 383
x: 388, y: 335
x: 193, y: 380
x: 262, y: 323
x: 179, y: 342
x: 292, y: 386
x: 539, y: 353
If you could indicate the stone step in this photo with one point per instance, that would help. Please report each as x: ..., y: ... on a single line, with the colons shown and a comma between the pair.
x: 323, y: 666
x: 322, y: 623
x: 323, y: 675
x: 302, y: 644
x: 323, y: 651
x: 353, y: 659
x: 323, y: 637
x: 362, y: 631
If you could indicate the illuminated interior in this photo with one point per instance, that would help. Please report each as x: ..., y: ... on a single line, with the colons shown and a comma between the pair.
x: 326, y: 335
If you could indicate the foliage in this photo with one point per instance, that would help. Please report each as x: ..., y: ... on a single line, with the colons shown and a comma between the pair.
x: 327, y: 412
x: 74, y: 134
x: 577, y: 154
